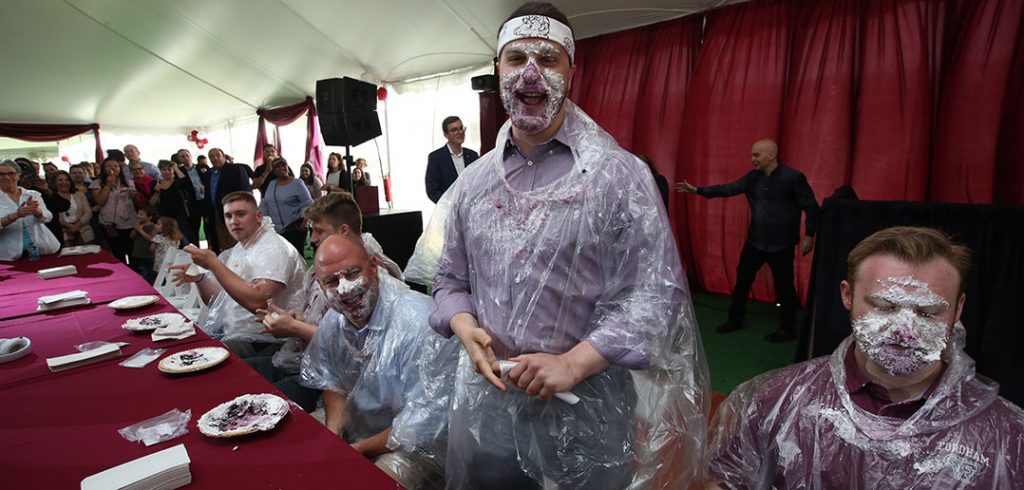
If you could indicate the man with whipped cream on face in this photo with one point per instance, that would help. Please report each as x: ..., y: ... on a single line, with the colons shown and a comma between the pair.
x: 386, y: 377
x: 557, y: 259
x: 897, y: 405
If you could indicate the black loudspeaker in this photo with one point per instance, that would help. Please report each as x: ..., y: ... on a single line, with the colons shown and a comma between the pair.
x: 345, y: 95
x: 485, y: 83
x: 347, y: 111
x: 348, y: 128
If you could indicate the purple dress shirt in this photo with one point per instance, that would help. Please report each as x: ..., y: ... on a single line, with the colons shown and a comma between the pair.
x: 565, y: 244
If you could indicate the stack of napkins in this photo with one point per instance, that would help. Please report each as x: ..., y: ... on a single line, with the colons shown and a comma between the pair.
x: 63, y: 300
x: 80, y: 250
x: 178, y: 328
x: 91, y: 356
x: 64, y: 270
x: 165, y: 469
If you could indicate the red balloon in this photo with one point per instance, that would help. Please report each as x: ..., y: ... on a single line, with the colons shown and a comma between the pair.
x: 205, y: 141
x: 191, y: 137
x: 195, y: 132
x: 382, y: 93
x: 65, y: 158
x: 200, y: 145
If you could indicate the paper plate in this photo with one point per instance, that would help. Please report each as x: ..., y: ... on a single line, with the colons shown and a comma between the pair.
x: 16, y: 348
x: 192, y: 360
x: 243, y: 415
x: 152, y: 322
x: 132, y: 302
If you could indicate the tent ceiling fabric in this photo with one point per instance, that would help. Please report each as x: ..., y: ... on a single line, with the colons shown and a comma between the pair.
x: 178, y: 64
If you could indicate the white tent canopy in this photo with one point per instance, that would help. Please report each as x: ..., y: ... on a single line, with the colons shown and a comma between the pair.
x: 168, y: 65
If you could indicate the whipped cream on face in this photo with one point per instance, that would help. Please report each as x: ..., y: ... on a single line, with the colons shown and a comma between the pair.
x: 903, y: 332
x: 354, y: 299
x: 533, y: 96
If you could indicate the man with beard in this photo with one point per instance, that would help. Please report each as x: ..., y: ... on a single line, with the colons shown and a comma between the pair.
x: 897, y: 405
x: 222, y: 179
x: 386, y: 377
x: 260, y: 268
x: 777, y: 194
x: 446, y: 163
x: 557, y: 260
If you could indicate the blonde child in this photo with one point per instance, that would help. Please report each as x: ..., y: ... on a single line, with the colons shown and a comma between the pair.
x: 167, y: 236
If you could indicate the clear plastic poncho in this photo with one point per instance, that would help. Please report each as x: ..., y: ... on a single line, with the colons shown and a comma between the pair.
x: 267, y: 256
x: 395, y: 371
x: 589, y: 256
x: 289, y: 357
x: 797, y: 427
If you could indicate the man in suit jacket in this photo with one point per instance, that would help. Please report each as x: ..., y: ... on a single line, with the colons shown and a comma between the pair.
x: 223, y: 178
x: 446, y: 163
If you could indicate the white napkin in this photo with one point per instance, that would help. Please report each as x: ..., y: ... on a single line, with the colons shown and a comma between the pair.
x: 178, y: 328
x: 80, y: 250
x: 54, y: 272
x: 566, y: 396
x: 70, y: 295
x: 164, y: 469
x: 83, y: 358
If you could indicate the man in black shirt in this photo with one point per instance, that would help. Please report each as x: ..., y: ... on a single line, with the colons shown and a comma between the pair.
x: 261, y: 177
x: 777, y: 194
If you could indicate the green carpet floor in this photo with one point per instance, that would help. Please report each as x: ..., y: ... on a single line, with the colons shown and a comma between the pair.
x: 738, y: 356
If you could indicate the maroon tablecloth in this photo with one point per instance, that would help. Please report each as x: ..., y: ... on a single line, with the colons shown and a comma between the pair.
x: 58, y: 428
x: 100, y: 275
x: 55, y: 334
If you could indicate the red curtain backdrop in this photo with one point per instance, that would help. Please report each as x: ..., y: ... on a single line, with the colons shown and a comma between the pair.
x: 51, y: 132
x: 982, y: 41
x: 902, y: 99
x: 650, y: 119
x: 735, y: 99
x: 286, y: 115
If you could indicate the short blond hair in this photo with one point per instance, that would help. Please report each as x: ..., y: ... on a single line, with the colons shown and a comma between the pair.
x: 239, y: 196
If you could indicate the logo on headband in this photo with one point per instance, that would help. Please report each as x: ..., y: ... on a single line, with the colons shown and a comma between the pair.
x: 537, y: 26
x: 534, y: 26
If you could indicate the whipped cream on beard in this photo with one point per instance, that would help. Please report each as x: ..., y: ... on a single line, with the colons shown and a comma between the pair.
x: 532, y: 97
x: 897, y: 336
x: 353, y: 299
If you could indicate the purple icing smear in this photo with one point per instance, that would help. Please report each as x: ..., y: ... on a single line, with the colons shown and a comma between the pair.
x: 241, y: 414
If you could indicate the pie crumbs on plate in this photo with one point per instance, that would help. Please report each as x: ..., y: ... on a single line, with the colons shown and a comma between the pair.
x: 192, y: 360
x: 243, y: 415
x: 151, y: 322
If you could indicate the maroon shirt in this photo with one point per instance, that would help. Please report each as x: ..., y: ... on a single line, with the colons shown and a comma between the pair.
x: 874, y: 398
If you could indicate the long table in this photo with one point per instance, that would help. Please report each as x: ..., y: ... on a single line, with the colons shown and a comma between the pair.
x: 58, y: 428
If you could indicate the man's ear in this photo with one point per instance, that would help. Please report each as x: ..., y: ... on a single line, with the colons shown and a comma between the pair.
x: 846, y: 290
x: 959, y: 307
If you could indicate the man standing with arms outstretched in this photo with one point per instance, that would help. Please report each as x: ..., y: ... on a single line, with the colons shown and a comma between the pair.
x: 557, y: 263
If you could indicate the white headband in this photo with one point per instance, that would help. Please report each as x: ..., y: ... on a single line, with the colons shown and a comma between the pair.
x: 537, y: 26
